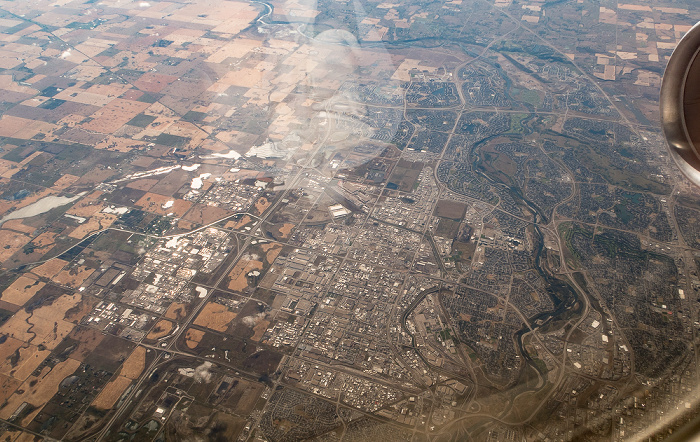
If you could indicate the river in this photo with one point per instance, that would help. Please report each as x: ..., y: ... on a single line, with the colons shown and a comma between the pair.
x: 562, y: 294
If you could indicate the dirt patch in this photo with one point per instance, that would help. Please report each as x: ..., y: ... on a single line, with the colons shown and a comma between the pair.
x: 44, y: 240
x: 215, y: 316
x: 98, y: 222
x: 35, y: 249
x: 21, y: 290
x: 193, y: 337
x: 162, y: 328
x: 86, y: 207
x: 50, y: 269
x: 246, y: 77
x: 111, y: 393
x: 152, y: 82
x: 259, y: 330
x: 65, y: 181
x: 7, y: 168
x: 286, y: 230
x: 184, y: 226
x: 114, y: 115
x: 17, y: 436
x: 73, y: 277
x: 163, y: 205
x: 271, y: 250
x: 10, y: 125
x: 18, y: 226
x: 238, y: 224
x: 8, y: 347
x: 40, y: 392
x: 176, y: 311
x: 134, y: 365
x: 238, y: 279
x: 262, y: 204
x: 13, y: 243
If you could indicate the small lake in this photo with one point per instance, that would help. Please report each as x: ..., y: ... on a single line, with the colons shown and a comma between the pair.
x: 42, y: 206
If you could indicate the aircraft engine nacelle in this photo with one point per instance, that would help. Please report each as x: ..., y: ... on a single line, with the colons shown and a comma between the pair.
x: 680, y: 104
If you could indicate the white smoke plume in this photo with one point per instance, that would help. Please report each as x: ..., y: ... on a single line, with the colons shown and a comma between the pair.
x: 202, y: 373
x: 250, y: 321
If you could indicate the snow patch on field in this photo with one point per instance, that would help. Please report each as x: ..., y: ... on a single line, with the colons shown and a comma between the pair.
x: 198, y: 182
x: 191, y: 168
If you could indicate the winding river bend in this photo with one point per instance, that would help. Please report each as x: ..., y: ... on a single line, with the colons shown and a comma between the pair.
x: 562, y: 294
x: 564, y: 297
